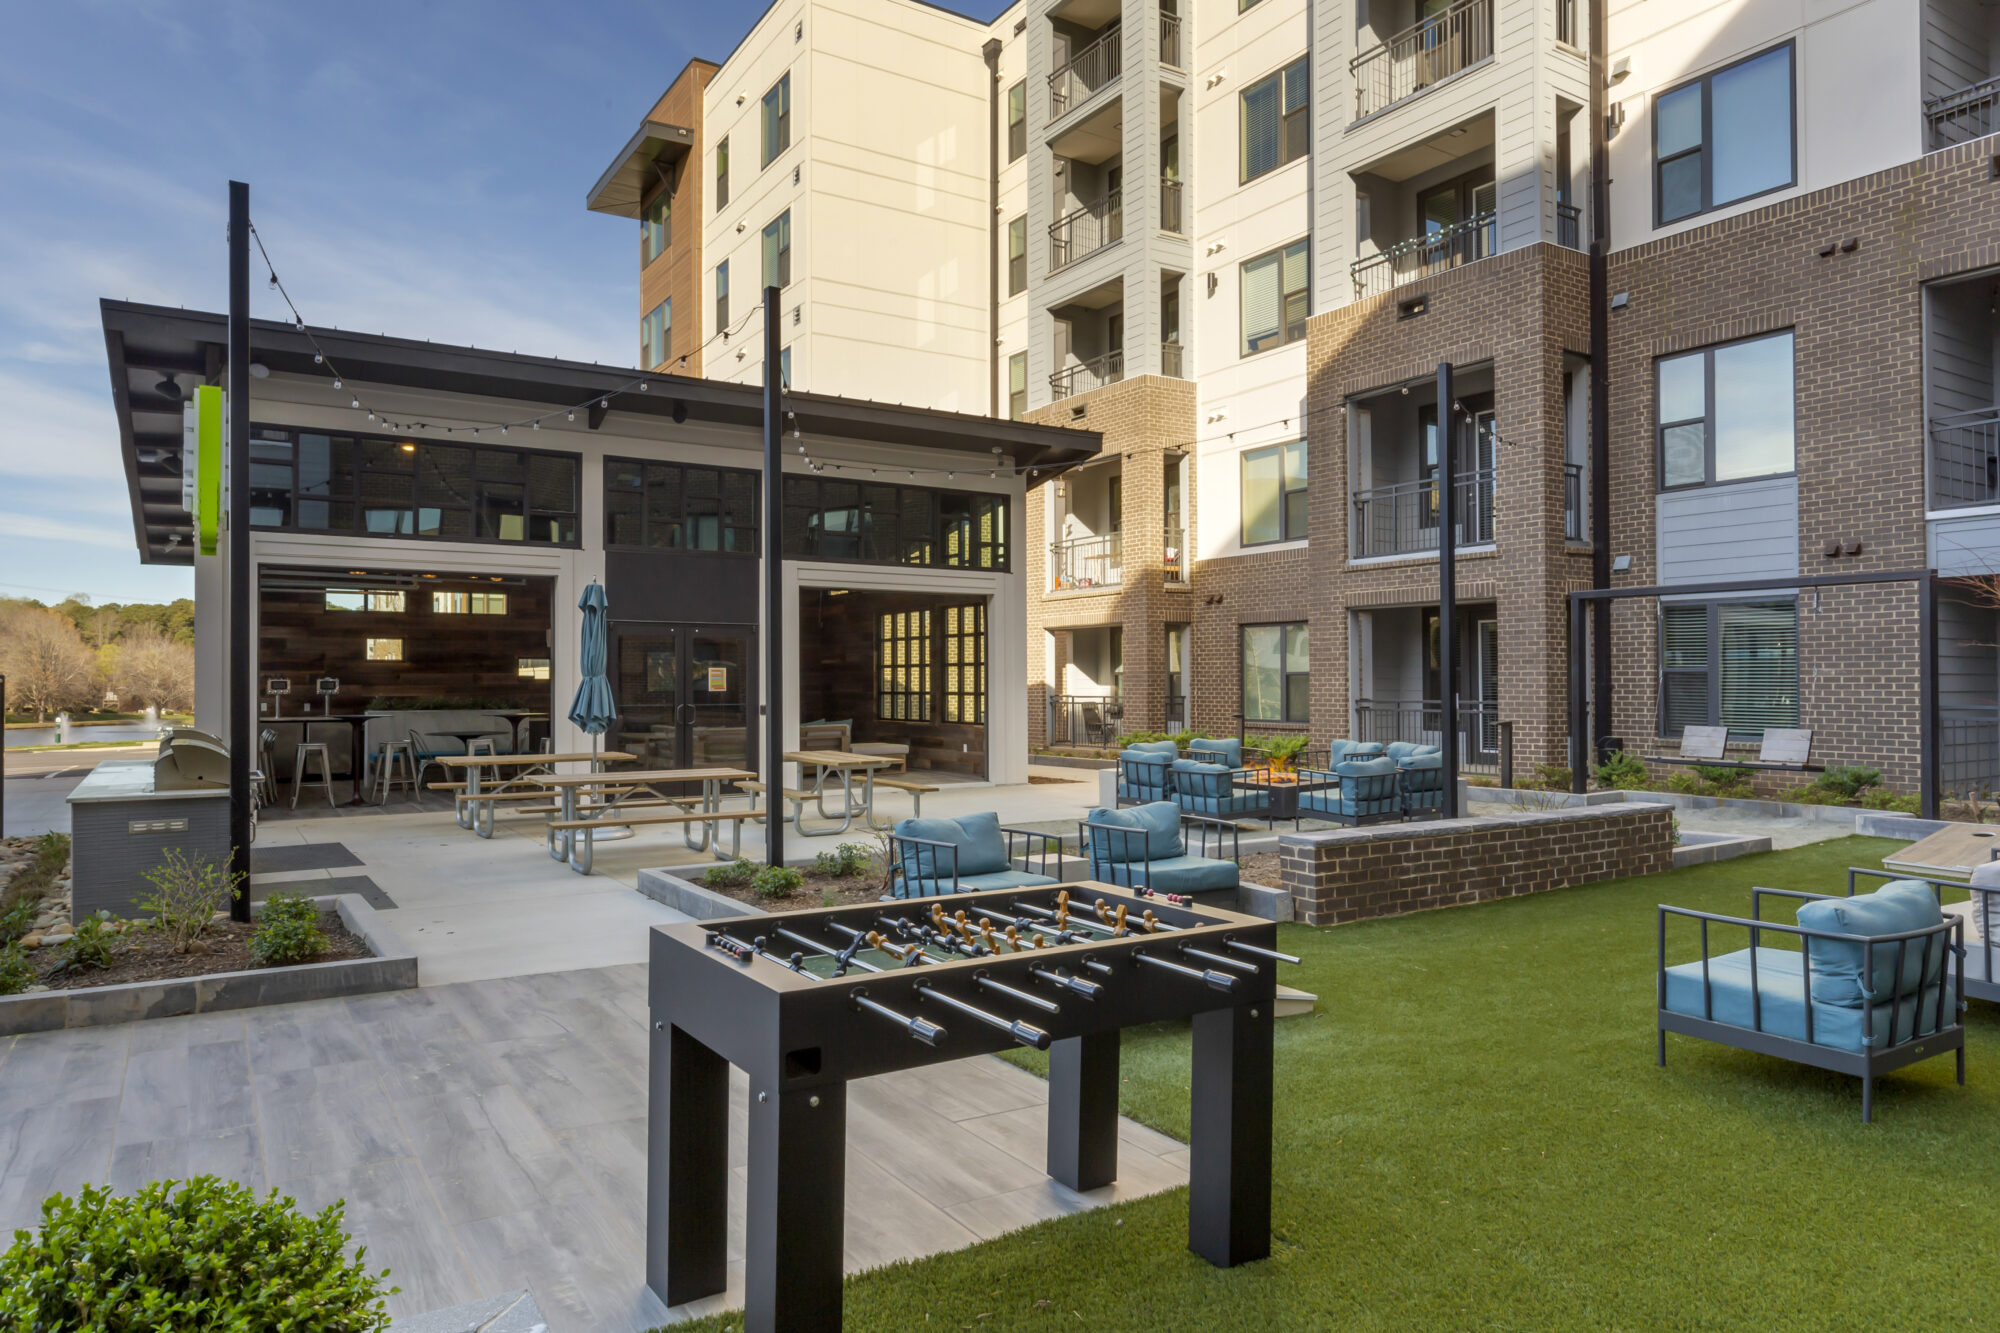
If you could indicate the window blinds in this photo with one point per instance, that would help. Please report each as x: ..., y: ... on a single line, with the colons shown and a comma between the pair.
x: 1683, y: 666
x: 1263, y: 301
x: 1760, y: 665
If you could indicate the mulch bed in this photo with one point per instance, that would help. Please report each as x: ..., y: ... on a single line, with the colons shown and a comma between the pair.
x: 1262, y: 868
x: 1038, y: 780
x: 142, y: 955
x: 849, y: 889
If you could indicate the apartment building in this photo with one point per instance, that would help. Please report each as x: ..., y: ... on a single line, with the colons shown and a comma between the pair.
x: 1237, y: 238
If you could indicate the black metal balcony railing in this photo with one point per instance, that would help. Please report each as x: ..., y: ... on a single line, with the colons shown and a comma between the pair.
x: 1176, y: 710
x: 1572, y: 502
x: 1567, y: 31
x: 1087, y: 71
x: 1086, y: 562
x: 1417, y: 721
x: 1092, y: 374
x: 1962, y: 116
x: 1403, y: 519
x: 1172, y: 361
x: 1569, y: 226
x: 1170, y: 40
x: 1423, y: 54
x: 1087, y: 230
x: 1170, y: 207
x: 1174, y: 554
x: 1965, y: 459
x: 1085, y: 720
x: 1422, y: 256
x: 1969, y: 751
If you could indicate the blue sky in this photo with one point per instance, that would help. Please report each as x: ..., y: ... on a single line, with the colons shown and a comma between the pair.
x: 415, y: 168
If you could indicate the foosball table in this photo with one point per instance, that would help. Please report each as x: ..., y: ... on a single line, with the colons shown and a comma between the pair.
x: 805, y: 1001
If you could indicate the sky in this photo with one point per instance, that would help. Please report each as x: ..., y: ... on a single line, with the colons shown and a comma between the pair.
x: 415, y: 168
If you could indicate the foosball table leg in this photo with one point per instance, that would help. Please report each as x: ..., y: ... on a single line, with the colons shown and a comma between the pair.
x: 1229, y: 1169
x: 687, y: 1169
x: 1083, y: 1110
x: 795, y: 1208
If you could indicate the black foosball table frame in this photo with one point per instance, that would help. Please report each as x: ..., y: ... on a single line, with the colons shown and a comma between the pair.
x: 803, y: 1002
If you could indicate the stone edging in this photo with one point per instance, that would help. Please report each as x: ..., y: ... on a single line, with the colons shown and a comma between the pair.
x: 683, y: 895
x: 1710, y: 847
x: 393, y: 967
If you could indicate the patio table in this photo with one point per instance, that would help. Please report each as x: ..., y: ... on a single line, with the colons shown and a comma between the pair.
x: 524, y: 765
x: 1282, y: 796
x: 570, y: 785
x: 846, y: 763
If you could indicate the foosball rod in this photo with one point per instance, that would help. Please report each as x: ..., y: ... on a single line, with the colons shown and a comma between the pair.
x: 1073, y: 919
x: 1002, y: 988
x: 1022, y: 923
x: 1218, y: 960
x: 826, y: 949
x: 1074, y: 985
x: 905, y: 927
x: 925, y: 1031
x: 1241, y: 947
x: 1221, y: 981
x: 1025, y: 1033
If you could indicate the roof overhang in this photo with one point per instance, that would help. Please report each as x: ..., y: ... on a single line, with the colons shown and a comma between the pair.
x: 148, y: 345
x: 656, y: 149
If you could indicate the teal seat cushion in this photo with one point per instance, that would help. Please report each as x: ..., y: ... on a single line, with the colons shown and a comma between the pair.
x: 982, y: 847
x: 1840, y: 973
x: 1781, y: 1007
x: 1145, y: 773
x: 999, y: 879
x: 1225, y: 750
x: 1178, y: 874
x: 1157, y: 833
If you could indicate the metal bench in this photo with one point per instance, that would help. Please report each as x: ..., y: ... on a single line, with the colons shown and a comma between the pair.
x: 579, y: 831
x: 1783, y: 750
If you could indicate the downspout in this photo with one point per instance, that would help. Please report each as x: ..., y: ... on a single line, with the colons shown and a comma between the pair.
x: 992, y: 53
x: 1600, y: 380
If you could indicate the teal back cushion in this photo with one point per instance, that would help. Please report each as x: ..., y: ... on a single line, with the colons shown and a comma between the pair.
x: 982, y: 847
x: 1159, y: 820
x: 1337, y: 751
x: 1226, y: 750
x: 1409, y: 749
x: 1151, y: 750
x: 1840, y: 973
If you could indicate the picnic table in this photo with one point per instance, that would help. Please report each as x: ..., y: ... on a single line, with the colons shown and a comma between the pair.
x: 564, y: 826
x: 475, y: 805
x: 846, y: 763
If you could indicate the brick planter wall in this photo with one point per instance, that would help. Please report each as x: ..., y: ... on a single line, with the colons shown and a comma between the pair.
x: 1390, y: 869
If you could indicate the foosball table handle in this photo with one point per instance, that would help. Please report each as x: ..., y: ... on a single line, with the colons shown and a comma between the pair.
x: 1221, y: 981
x: 925, y: 1031
x: 1074, y: 985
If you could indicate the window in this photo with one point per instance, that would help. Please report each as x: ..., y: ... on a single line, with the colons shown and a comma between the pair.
x: 1725, y: 412
x: 1017, y: 386
x: 722, y: 295
x: 1274, y: 493
x: 1017, y: 256
x: 656, y: 332
x: 1275, y: 673
x: 1277, y: 296
x: 785, y: 367
x: 656, y: 228
x: 1723, y: 137
x: 778, y: 251
x: 965, y: 664
x: 385, y: 650
x: 667, y: 506
x: 777, y: 119
x: 903, y: 669
x: 867, y: 523
x: 353, y: 599
x: 1275, y: 114
x: 532, y: 668
x: 468, y: 603
x: 1731, y: 664
x: 1017, y: 121
x: 384, y: 486
x: 721, y: 173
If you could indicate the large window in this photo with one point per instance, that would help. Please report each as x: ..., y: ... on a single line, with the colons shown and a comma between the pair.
x: 656, y: 228
x: 1017, y: 121
x: 778, y: 251
x: 1276, y: 670
x: 383, y: 486
x: 656, y: 334
x: 1731, y: 664
x: 1723, y: 137
x: 1017, y: 386
x: 722, y: 173
x: 672, y: 507
x: 1274, y: 493
x: 868, y: 523
x: 965, y: 663
x: 468, y: 603
x: 383, y: 650
x: 1277, y: 297
x: 1725, y: 412
x: 1275, y: 117
x: 1017, y: 256
x: 355, y: 599
x: 722, y: 296
x: 777, y: 119
x: 904, y: 667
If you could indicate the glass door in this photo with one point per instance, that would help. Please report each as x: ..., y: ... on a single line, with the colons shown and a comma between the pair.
x: 683, y: 695
x: 646, y: 682
x: 718, y: 698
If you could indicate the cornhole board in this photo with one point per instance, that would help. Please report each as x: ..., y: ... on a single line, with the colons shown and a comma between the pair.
x: 1950, y: 853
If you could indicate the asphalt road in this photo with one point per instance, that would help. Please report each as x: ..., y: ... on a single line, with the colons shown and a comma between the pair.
x: 38, y: 785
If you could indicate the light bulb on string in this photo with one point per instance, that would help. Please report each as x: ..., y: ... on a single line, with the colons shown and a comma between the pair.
x: 572, y: 414
x: 317, y: 358
x: 536, y: 423
x: 503, y: 430
x: 354, y: 402
x: 274, y: 282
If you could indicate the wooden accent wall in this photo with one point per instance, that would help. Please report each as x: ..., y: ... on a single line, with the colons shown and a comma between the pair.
x: 837, y: 651
x: 677, y: 273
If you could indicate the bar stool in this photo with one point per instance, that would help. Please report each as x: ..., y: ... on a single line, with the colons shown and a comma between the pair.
x: 309, y: 750
x: 389, y: 757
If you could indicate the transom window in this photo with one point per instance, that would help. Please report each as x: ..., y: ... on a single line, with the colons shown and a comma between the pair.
x: 1275, y: 115
x: 668, y: 506
x: 1274, y: 493
x: 777, y: 119
x: 1276, y: 673
x: 1726, y: 412
x: 355, y: 599
x: 1277, y: 297
x: 1724, y: 137
x: 1731, y: 664
x: 866, y: 523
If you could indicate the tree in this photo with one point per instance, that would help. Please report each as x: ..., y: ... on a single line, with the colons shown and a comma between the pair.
x: 154, y: 669
x: 47, y: 664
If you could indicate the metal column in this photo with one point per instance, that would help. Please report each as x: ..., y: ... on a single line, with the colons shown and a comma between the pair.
x: 1447, y: 439
x: 774, y: 590
x: 242, y: 697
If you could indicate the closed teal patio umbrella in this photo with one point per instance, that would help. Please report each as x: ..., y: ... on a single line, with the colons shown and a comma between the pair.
x: 594, y: 709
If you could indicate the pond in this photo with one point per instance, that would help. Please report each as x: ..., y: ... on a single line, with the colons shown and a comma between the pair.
x: 20, y: 736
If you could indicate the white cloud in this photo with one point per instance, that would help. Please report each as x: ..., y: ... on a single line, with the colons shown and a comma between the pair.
x: 37, y: 527
x: 52, y: 431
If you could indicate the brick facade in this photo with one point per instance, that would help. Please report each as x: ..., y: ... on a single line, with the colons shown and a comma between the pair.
x: 1390, y: 869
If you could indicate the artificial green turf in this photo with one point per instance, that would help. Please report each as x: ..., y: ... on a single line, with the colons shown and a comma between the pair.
x: 1471, y: 1133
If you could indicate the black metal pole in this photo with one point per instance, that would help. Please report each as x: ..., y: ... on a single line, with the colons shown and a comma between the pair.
x: 774, y: 592
x: 1579, y: 720
x: 1447, y: 438
x: 3, y: 755
x: 1599, y: 646
x: 1927, y: 719
x: 241, y: 698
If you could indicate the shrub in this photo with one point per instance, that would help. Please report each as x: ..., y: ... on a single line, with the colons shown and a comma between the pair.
x: 1686, y: 783
x: 1723, y: 780
x: 1279, y: 748
x: 200, y: 1254
x: 1849, y: 780
x: 33, y: 880
x: 187, y: 893
x: 1621, y: 771
x: 92, y: 945
x: 1881, y: 798
x: 16, y: 972
x: 16, y: 918
x: 777, y: 881
x: 850, y: 858
x: 734, y: 875
x: 287, y: 932
x: 829, y: 898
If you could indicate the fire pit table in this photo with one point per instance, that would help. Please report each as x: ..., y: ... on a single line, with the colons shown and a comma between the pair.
x: 1281, y: 793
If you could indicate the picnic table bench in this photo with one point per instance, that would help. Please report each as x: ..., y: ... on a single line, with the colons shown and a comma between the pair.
x: 798, y: 797
x: 523, y: 768
x: 1784, y: 750
x: 571, y: 832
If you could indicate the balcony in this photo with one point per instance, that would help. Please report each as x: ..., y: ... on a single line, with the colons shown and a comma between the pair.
x: 1172, y: 361
x: 1086, y: 563
x: 1170, y: 40
x: 1417, y: 721
x: 1965, y: 459
x: 1423, y: 256
x: 1174, y: 554
x: 1968, y: 114
x: 1087, y: 230
x: 1422, y: 55
x: 1085, y: 719
x: 1085, y: 376
x: 1569, y: 226
x: 1170, y: 207
x: 1403, y: 519
x: 1087, y: 71
x: 1573, y: 502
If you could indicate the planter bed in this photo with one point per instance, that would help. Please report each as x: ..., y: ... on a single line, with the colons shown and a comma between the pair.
x: 681, y: 888
x: 375, y: 961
